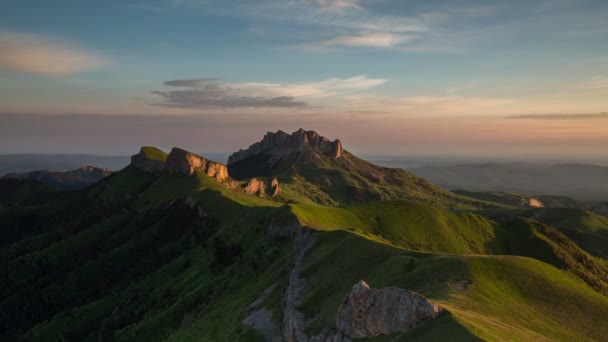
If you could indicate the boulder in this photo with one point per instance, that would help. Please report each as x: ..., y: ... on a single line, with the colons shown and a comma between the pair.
x: 367, y: 312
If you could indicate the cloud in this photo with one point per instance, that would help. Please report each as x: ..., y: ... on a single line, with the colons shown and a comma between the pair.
x: 191, y: 83
x: 43, y: 55
x: 204, y: 93
x: 338, y: 5
x: 378, y: 40
x: 217, y: 96
x: 559, y: 116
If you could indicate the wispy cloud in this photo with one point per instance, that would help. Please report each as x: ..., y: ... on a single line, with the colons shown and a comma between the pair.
x: 43, y: 55
x: 559, y: 116
x: 205, y: 94
x: 383, y: 40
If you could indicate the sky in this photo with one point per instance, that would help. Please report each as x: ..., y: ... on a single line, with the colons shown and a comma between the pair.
x: 391, y: 77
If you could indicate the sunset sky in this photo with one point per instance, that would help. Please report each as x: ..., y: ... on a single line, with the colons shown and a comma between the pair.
x: 385, y: 76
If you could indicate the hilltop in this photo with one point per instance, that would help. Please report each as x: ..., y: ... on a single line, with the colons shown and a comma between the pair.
x: 314, y: 169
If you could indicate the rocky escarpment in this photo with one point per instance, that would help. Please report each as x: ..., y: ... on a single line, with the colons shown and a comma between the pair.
x: 260, y: 187
x: 370, y: 312
x: 280, y: 143
x: 179, y: 161
x: 184, y: 162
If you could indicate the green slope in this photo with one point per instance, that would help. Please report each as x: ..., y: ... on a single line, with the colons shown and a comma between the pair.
x: 171, y: 257
x: 311, y: 177
x: 143, y: 257
x: 421, y: 227
x: 509, y: 298
x: 588, y: 230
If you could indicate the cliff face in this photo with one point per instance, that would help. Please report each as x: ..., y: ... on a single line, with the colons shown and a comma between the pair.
x: 281, y: 142
x: 184, y: 162
x: 370, y: 312
x: 180, y: 161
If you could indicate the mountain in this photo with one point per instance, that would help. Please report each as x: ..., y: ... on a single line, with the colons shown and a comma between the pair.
x: 74, y: 179
x: 581, y: 181
x: 314, y: 169
x: 22, y: 163
x: 174, y: 247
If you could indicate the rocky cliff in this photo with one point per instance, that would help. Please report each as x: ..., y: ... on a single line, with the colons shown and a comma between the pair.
x: 184, y: 162
x: 179, y: 161
x: 370, y: 312
x: 282, y: 143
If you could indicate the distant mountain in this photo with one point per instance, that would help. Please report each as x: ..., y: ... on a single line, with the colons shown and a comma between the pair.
x: 74, y: 179
x: 581, y: 181
x: 20, y: 163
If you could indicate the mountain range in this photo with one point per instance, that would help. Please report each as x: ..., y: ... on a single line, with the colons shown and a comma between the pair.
x: 581, y: 181
x: 294, y: 239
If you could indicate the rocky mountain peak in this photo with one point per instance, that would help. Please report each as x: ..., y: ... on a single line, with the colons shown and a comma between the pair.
x: 280, y: 142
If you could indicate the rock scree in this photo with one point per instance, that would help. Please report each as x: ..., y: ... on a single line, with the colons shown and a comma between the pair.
x: 280, y: 142
x: 367, y: 312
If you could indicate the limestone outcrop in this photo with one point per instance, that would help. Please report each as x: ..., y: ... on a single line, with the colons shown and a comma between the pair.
x: 147, y: 164
x: 182, y: 162
x: 260, y: 187
x: 367, y: 312
x: 280, y: 143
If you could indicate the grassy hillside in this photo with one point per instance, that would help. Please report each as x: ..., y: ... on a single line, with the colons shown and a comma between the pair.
x: 145, y: 258
x: 310, y: 177
x: 424, y: 228
x: 588, y: 230
x: 507, y: 297
x: 171, y: 257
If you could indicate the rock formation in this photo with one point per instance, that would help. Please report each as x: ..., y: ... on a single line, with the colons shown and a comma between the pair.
x: 184, y: 162
x: 145, y: 163
x: 370, y: 312
x: 281, y: 142
x: 261, y: 188
x: 180, y: 161
x: 533, y: 202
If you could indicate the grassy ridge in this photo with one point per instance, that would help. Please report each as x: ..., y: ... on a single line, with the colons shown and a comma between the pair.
x: 421, y: 227
x: 508, y: 297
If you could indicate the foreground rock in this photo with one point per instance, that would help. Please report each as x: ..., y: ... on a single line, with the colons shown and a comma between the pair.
x: 281, y: 143
x: 369, y: 312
